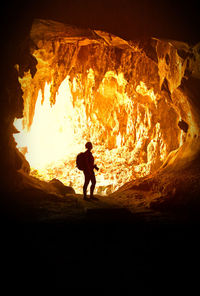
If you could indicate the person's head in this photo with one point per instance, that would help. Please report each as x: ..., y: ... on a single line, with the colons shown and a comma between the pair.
x: 88, y: 145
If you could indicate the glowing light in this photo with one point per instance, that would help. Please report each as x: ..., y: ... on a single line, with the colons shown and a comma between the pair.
x: 51, y: 136
x: 59, y: 132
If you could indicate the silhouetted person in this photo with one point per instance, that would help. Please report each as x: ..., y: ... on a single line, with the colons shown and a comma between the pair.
x: 89, y: 171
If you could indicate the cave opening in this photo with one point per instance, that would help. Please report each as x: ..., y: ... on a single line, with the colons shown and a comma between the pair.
x: 104, y: 90
x: 126, y: 143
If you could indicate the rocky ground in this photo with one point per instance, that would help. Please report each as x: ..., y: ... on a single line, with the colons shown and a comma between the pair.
x: 64, y: 242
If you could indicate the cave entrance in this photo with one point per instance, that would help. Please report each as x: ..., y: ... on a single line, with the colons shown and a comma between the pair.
x: 127, y: 145
x: 96, y: 88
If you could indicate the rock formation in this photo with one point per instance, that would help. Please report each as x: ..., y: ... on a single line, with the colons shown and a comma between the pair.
x: 146, y: 91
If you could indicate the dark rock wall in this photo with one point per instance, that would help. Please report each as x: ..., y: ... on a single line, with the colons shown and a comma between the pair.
x: 12, y: 107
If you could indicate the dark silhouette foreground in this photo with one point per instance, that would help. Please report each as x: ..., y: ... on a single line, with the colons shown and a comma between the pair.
x: 88, y: 171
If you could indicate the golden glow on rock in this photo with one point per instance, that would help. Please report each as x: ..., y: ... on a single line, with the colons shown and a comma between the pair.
x: 129, y: 100
x: 108, y: 118
x: 132, y: 135
x: 143, y: 90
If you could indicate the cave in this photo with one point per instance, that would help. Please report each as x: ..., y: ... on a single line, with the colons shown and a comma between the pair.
x: 138, y: 102
x: 131, y: 99
x: 90, y: 89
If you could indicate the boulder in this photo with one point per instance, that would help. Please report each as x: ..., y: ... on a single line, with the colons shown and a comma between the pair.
x: 61, y: 187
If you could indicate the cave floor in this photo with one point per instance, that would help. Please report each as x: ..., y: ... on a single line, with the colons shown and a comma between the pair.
x: 68, y: 243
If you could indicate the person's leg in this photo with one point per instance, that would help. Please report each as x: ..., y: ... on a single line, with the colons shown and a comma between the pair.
x: 87, y: 180
x: 93, y: 180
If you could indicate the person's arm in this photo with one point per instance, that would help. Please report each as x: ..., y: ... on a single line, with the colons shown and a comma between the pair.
x: 96, y: 167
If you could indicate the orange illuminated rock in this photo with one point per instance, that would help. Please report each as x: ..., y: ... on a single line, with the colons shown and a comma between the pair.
x: 124, y: 97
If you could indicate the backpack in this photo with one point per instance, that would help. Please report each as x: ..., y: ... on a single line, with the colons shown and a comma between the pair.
x: 80, y: 161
